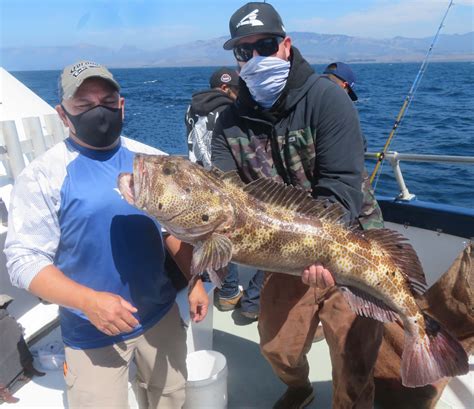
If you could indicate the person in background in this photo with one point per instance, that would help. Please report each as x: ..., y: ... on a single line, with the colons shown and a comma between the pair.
x: 200, y: 119
x: 293, y: 126
x: 343, y: 76
x: 74, y: 241
x: 202, y: 113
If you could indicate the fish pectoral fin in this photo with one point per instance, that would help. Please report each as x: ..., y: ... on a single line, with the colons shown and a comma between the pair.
x: 366, y: 305
x: 211, y: 254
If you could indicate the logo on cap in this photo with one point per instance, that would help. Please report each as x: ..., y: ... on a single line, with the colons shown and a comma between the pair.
x: 226, y: 78
x: 77, y: 69
x: 251, y: 19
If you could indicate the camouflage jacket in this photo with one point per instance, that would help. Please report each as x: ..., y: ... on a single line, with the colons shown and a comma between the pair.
x: 310, y: 138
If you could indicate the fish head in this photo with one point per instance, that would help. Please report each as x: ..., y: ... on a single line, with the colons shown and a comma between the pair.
x: 184, y: 197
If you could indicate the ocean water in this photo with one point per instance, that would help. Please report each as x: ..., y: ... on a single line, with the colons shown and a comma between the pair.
x: 439, y: 121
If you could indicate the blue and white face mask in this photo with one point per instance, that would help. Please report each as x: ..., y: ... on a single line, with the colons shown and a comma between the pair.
x: 265, y: 78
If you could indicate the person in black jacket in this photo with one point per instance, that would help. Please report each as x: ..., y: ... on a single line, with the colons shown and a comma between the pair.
x: 204, y: 110
x: 293, y: 126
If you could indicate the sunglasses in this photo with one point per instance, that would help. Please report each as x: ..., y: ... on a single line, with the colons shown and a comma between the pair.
x: 264, y: 47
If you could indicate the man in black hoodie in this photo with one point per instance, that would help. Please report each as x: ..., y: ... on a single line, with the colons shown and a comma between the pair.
x: 291, y: 125
x: 203, y: 111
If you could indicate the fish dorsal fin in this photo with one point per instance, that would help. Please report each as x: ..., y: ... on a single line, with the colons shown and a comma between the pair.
x: 232, y: 177
x: 402, y: 254
x: 294, y: 199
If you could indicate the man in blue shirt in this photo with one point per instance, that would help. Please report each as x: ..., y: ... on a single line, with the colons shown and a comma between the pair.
x: 74, y: 241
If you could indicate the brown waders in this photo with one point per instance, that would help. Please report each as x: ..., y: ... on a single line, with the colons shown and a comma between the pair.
x: 289, y: 315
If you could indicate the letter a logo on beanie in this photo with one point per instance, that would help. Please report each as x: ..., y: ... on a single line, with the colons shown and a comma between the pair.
x: 251, y: 19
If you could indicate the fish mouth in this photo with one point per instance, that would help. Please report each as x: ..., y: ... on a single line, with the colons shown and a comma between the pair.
x: 126, y: 187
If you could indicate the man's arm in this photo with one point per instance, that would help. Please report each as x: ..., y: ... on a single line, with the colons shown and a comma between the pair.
x: 338, y: 165
x: 182, y: 254
x: 108, y: 312
x: 339, y: 151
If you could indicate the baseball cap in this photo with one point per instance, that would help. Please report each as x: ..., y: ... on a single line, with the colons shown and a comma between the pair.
x: 344, y: 73
x: 254, y: 18
x: 74, y: 75
x: 222, y: 76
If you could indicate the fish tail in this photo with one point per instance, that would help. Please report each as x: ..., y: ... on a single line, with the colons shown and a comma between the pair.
x: 435, y: 355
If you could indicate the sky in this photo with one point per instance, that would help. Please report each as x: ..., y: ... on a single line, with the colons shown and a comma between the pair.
x: 158, y: 24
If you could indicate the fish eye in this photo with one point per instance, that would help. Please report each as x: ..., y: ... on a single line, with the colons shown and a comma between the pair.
x: 187, y: 190
x: 205, y: 217
x: 169, y: 170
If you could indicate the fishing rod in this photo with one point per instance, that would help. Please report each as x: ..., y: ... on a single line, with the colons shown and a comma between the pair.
x: 408, y: 99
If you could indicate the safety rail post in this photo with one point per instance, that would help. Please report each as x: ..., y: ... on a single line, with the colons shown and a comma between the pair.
x: 404, y: 193
x: 34, y: 131
x: 55, y: 128
x: 14, y: 152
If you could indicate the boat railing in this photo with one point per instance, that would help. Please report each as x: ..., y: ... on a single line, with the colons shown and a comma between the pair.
x: 21, y: 142
x: 395, y: 158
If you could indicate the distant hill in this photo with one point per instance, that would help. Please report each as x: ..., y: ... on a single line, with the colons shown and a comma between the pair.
x: 316, y: 48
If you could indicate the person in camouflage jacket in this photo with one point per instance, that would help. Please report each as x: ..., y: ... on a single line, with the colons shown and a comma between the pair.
x: 310, y: 137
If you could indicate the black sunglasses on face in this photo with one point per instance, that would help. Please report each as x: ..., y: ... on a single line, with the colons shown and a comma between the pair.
x: 264, y: 47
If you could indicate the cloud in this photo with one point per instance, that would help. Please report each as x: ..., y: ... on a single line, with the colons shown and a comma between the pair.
x: 416, y: 18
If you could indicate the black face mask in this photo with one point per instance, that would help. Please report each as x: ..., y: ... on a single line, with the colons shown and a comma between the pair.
x: 99, y: 126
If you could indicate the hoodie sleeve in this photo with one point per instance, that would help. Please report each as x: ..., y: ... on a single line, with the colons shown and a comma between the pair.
x: 339, y: 151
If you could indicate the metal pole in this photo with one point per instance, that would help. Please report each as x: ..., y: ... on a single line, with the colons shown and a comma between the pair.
x: 404, y: 193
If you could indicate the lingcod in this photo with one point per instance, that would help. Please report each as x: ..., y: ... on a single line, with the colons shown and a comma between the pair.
x: 274, y: 227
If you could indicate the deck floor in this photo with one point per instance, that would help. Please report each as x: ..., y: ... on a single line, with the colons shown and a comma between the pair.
x: 251, y: 382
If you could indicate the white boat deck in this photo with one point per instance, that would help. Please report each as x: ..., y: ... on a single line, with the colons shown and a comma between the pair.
x: 251, y: 383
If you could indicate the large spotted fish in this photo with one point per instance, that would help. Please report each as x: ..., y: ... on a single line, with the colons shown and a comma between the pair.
x: 280, y: 228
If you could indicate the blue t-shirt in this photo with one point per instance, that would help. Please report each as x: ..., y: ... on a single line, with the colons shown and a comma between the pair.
x: 103, y: 242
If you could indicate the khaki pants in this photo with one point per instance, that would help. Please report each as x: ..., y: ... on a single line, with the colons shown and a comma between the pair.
x: 290, y: 312
x: 98, y: 378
